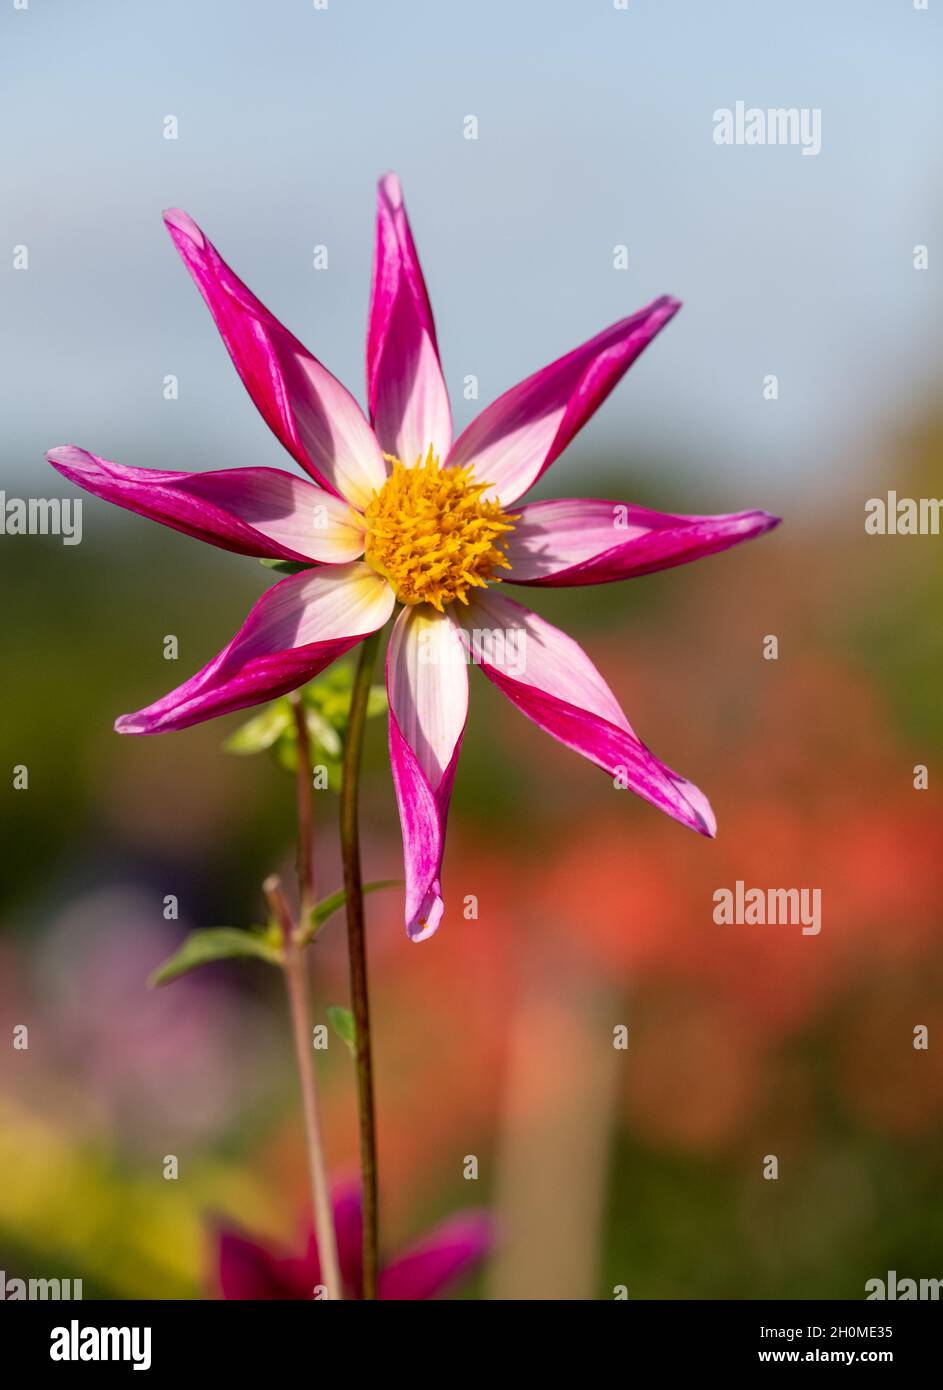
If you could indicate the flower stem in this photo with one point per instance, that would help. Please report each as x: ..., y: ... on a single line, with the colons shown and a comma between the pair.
x: 305, y: 796
x: 299, y: 1008
x: 357, y: 948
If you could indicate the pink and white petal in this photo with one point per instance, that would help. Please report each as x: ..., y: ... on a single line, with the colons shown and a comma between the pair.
x: 449, y: 1251
x: 516, y: 438
x: 295, y: 629
x: 248, y: 1270
x: 427, y: 686
x: 309, y: 411
x: 573, y: 541
x: 409, y: 403
x: 550, y: 678
x: 253, y: 511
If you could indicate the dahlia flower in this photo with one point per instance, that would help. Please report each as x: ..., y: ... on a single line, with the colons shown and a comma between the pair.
x: 249, y: 1270
x: 395, y: 514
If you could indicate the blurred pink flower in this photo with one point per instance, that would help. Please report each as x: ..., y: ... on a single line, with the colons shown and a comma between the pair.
x: 249, y: 1270
x: 397, y: 511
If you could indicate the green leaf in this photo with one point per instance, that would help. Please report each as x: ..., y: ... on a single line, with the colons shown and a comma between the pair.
x: 335, y: 901
x: 330, y: 696
x: 285, y: 752
x: 263, y: 730
x: 284, y: 566
x: 336, y: 680
x: 207, y: 944
x: 342, y: 1021
x: 326, y: 704
x: 322, y: 734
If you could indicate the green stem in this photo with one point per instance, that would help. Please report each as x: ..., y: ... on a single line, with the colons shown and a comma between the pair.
x: 296, y: 985
x: 305, y: 799
x: 357, y: 948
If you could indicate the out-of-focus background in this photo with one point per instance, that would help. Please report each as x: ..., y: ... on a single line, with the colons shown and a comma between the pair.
x: 641, y: 1167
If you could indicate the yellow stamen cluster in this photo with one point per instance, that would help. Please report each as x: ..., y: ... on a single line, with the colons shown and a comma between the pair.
x: 430, y: 534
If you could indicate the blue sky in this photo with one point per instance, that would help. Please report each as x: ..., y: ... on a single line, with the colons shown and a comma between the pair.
x: 595, y: 129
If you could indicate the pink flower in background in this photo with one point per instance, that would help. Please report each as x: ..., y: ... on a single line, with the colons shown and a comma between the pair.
x: 398, y: 512
x: 248, y: 1270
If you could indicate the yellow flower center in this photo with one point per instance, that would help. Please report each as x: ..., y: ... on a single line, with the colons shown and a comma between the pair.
x: 430, y: 534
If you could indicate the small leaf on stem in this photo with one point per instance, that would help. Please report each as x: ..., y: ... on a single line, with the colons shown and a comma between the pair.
x: 342, y: 1021
x: 207, y: 944
x: 335, y: 901
x: 262, y: 730
x: 326, y: 704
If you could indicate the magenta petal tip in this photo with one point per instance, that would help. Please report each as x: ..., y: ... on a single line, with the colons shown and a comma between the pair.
x: 702, y: 819
x: 391, y: 189
x: 662, y: 310
x: 70, y: 456
x: 429, y: 917
x: 758, y: 523
x: 176, y: 220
